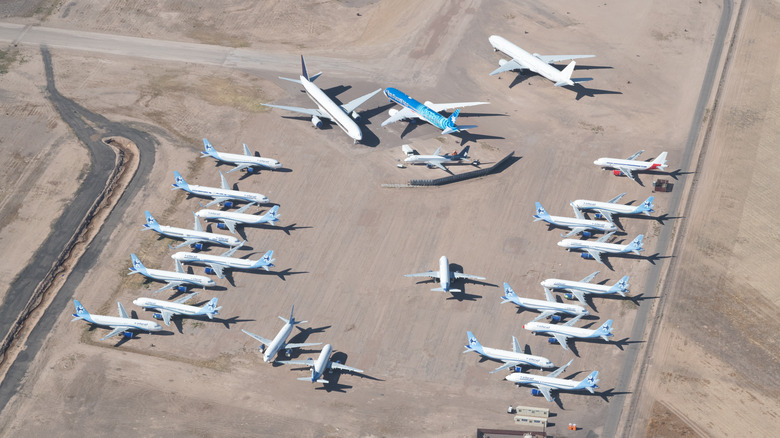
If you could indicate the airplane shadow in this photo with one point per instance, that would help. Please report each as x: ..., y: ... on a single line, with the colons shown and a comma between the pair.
x: 334, y: 91
x: 467, y: 136
x: 228, y: 321
x: 366, y: 115
x: 286, y: 228
x: 675, y: 173
x: 304, y: 333
x: 588, y: 92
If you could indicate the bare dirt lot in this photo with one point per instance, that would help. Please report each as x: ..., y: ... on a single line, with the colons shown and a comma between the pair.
x: 350, y: 241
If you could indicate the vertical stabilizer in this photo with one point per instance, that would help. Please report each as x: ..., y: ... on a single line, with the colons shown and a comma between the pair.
x: 304, y: 74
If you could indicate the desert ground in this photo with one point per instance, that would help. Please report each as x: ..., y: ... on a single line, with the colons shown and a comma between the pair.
x: 706, y: 334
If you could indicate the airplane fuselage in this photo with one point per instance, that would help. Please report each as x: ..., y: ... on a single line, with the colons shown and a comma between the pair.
x: 533, y: 63
x: 229, y: 262
x: 511, y: 356
x: 444, y: 273
x: 612, y: 248
x: 573, y: 222
x: 213, y: 192
x: 591, y: 288
x: 583, y: 204
x: 418, y: 108
x: 233, y: 216
x: 552, y: 382
x: 615, y: 163
x: 176, y: 308
x: 161, y: 275
x: 186, y: 234
x: 127, y: 323
x: 321, y: 364
x: 574, y: 332
x: 337, y: 114
x: 544, y: 305
x: 426, y: 159
x: 277, y: 342
x: 268, y: 163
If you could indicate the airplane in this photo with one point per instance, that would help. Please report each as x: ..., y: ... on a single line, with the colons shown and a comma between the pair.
x: 242, y: 162
x: 168, y: 309
x: 549, y: 308
x: 174, y: 279
x: 576, y: 225
x: 445, y: 276
x: 546, y: 384
x: 122, y: 324
x: 561, y: 333
x: 600, y: 246
x: 629, y: 165
x: 607, y: 209
x: 540, y: 64
x: 510, y: 358
x: 194, y: 237
x: 271, y: 347
x: 580, y: 288
x: 429, y: 112
x: 326, y: 107
x: 437, y: 159
x: 229, y: 219
x: 217, y: 263
x: 224, y: 195
x: 319, y: 366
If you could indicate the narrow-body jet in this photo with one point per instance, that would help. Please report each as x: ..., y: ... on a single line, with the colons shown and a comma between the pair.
x: 229, y: 219
x: 194, y: 237
x: 584, y: 286
x: 177, y: 279
x: 577, y: 224
x: 223, y: 195
x: 545, y: 385
x: 630, y: 165
x: 168, y: 309
x: 319, y: 365
x: 218, y: 263
x: 549, y: 308
x: 247, y: 161
x: 510, y: 358
x: 121, y: 324
x: 445, y: 276
x: 595, y: 249
x: 610, y: 208
x: 271, y: 347
x: 561, y: 333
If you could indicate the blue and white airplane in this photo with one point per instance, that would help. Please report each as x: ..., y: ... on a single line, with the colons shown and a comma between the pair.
x: 246, y: 162
x: 561, y: 333
x: 510, y: 358
x: 522, y: 60
x: 595, y: 249
x: 429, y: 112
x: 580, y: 288
x: 229, y: 219
x: 628, y: 166
x: 122, y: 324
x: 218, y: 263
x: 326, y: 107
x: 546, y: 384
x: 194, y: 237
x: 168, y: 309
x: 223, y: 195
x: 576, y: 225
x: 609, y: 208
x: 174, y: 279
x: 445, y: 276
x: 319, y: 366
x: 549, y: 308
x: 271, y: 347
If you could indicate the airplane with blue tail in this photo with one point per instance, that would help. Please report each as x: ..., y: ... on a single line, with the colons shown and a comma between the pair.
x: 223, y: 195
x: 218, y: 263
x: 545, y: 385
x: 246, y: 162
x: 178, y: 279
x: 194, y: 237
x: 320, y: 365
x: 511, y: 359
x: 122, y: 324
x: 428, y: 112
x: 584, y: 286
x: 609, y: 208
x: 549, y: 308
x: 168, y: 309
x: 561, y: 333
x: 577, y: 224
x: 595, y: 249
x: 229, y: 219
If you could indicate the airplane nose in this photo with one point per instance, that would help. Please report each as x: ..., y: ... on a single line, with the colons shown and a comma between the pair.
x: 561, y: 243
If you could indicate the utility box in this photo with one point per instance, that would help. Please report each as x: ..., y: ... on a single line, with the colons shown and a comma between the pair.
x: 531, y: 422
x: 530, y: 411
x: 662, y: 185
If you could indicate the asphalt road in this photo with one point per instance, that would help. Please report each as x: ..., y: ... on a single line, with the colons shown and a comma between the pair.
x: 89, y: 128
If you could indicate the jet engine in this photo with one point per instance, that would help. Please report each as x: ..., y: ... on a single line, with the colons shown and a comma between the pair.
x: 392, y: 112
x: 535, y: 392
x: 355, y: 116
x: 210, y: 271
x: 198, y: 246
x: 181, y: 289
x: 552, y: 340
x: 127, y: 334
x: 586, y: 255
x: 501, y: 62
x: 555, y: 318
x: 316, y: 122
x: 617, y: 172
x: 222, y: 226
x: 228, y: 204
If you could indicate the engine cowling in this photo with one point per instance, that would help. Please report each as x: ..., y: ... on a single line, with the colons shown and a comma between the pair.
x: 501, y: 62
x: 535, y: 392
x: 586, y: 234
x: 316, y: 122
x: 228, y: 204
x: 586, y: 255
x: 555, y: 318
x: 355, y: 116
x: 552, y: 340
x: 181, y: 289
x: 617, y: 172
x: 209, y: 271
x: 250, y: 170
x: 392, y: 112
x: 198, y: 246
x: 157, y: 316
x: 127, y: 334
x: 222, y: 226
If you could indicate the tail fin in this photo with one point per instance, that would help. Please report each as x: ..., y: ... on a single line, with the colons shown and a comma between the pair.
x: 292, y: 318
x: 211, y: 309
x: 566, y: 75
x: 646, y: 207
x: 449, y: 125
x: 81, y: 312
x: 179, y: 182
x: 541, y: 213
x: 605, y: 330
x: 590, y: 382
x: 303, y: 69
x: 660, y: 161
x: 265, y: 262
x: 620, y: 287
x: 509, y: 294
x: 464, y: 153
x: 151, y: 222
x: 473, y: 344
x: 636, y: 245
x: 210, y: 151
x: 137, y: 267
x: 272, y: 215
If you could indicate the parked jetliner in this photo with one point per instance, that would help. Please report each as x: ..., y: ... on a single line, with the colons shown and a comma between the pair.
x: 629, y: 165
x: 122, y: 324
x: 576, y: 225
x: 271, y: 347
x: 580, y: 288
x: 435, y: 160
x: 548, y: 308
x: 242, y: 162
x: 510, y: 358
x: 607, y: 209
x: 429, y: 112
x: 168, y: 309
x: 219, y: 195
x: 174, y: 279
x: 217, y: 263
x: 561, y: 333
x: 445, y: 276
x: 230, y: 219
x: 194, y: 237
x: 546, y: 384
x: 319, y: 366
x: 326, y: 108
x: 600, y: 246
x: 522, y: 60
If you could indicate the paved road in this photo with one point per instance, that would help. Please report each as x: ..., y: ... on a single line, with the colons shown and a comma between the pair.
x: 89, y: 128
x: 618, y: 403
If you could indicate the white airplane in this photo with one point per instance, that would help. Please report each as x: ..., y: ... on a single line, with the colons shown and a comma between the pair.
x: 609, y: 208
x: 561, y: 333
x: 435, y: 160
x: 522, y: 60
x: 546, y: 384
x: 224, y: 195
x: 510, y: 358
x: 549, y: 308
x: 122, y: 324
x: 194, y: 237
x: 319, y: 366
x: 229, y: 219
x: 576, y: 225
x: 595, y: 249
x: 412, y: 109
x: 580, y: 288
x: 271, y: 347
x: 326, y: 107
x: 217, y: 263
x: 168, y: 309
x: 242, y: 162
x: 630, y: 165
x: 174, y: 279
x: 445, y: 276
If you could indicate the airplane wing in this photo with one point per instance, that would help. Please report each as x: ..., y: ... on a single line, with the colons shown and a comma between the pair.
x: 558, y: 372
x: 258, y: 338
x: 116, y: 331
x: 605, y: 237
x: 561, y: 340
x: 170, y: 285
x: 185, y: 298
x: 509, y: 65
x: 575, y: 230
x: 216, y: 200
x: 509, y: 364
x: 246, y: 207
x: 307, y: 111
x: 449, y: 106
x: 577, y: 211
x: 573, y: 321
x: 402, y: 114
x: 437, y: 164
x: 545, y: 314
x: 595, y: 254
x: 186, y: 243
x: 166, y: 314
x: 338, y: 366
x: 306, y: 362
x: 578, y: 293
x: 122, y: 311
x: 231, y: 251
x: 616, y: 198
x: 589, y: 277
x: 308, y: 344
x: 627, y: 172
x: 633, y: 157
x: 429, y: 274
x: 230, y: 224
x: 353, y: 104
x: 179, y: 268
x: 546, y: 391
x: 556, y: 58
x: 470, y: 277
x: 217, y: 270
x: 240, y: 167
x: 607, y: 215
